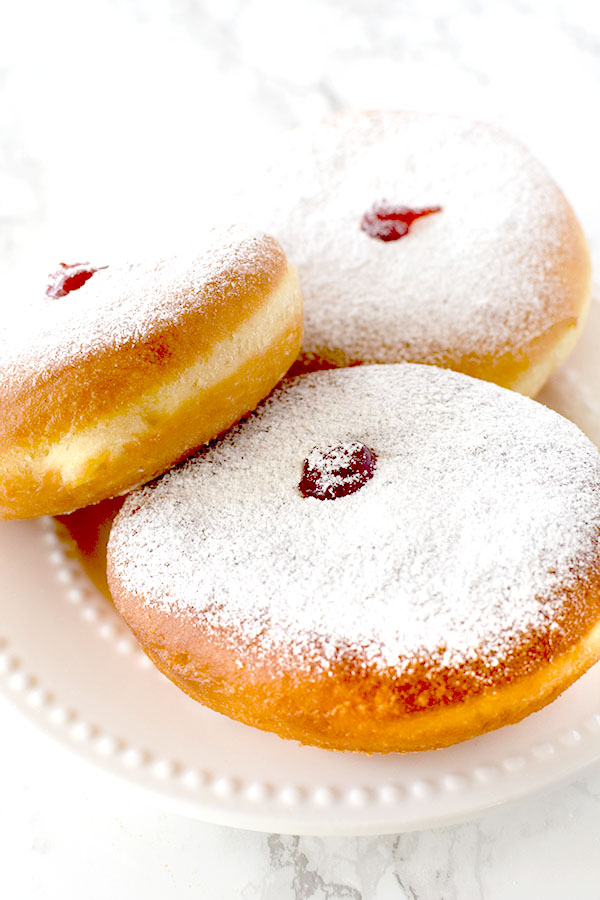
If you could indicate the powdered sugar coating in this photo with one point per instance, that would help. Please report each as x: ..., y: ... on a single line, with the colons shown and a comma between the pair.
x: 486, y: 275
x: 125, y: 301
x: 482, y: 506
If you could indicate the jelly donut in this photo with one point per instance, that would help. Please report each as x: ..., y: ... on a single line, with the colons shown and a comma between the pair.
x: 118, y: 372
x: 424, y: 238
x: 383, y: 558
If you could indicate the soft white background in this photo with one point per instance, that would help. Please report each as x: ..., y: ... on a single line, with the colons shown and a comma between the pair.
x: 122, y: 124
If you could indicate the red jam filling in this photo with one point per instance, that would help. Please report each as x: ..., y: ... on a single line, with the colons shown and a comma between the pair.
x: 70, y: 277
x: 388, y: 221
x: 336, y: 471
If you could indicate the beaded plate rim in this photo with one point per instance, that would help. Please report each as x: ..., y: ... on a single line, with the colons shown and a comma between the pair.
x: 425, y: 789
x: 453, y: 794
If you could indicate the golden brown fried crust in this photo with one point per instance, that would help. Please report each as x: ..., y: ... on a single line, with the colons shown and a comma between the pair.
x: 60, y: 397
x: 521, y: 367
x: 66, y: 402
x: 525, y: 368
x: 354, y: 705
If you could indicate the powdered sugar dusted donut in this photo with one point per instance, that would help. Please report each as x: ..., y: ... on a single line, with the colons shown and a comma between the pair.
x: 120, y: 371
x: 383, y: 558
x: 428, y: 239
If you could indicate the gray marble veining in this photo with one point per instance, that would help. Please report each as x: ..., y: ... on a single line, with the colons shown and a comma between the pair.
x: 134, y: 121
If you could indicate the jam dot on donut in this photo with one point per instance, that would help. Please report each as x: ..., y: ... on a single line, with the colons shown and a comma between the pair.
x: 336, y: 470
x: 389, y: 221
x: 70, y: 277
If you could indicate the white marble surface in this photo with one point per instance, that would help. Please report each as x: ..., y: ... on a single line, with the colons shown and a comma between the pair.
x: 121, y: 123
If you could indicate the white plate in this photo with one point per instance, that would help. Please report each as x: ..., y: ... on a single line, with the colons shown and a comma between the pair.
x: 70, y: 663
